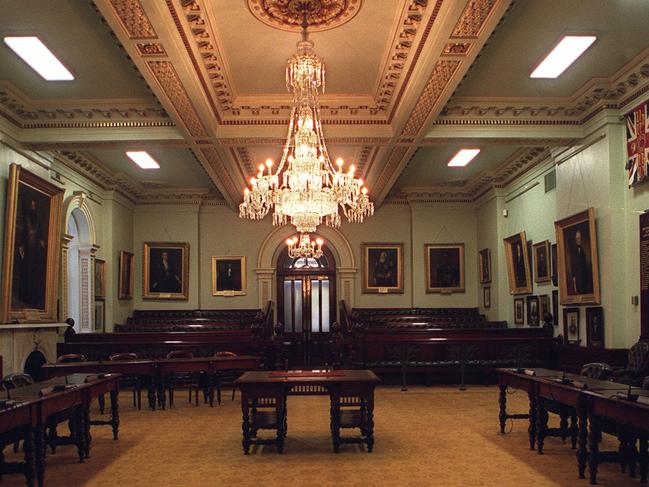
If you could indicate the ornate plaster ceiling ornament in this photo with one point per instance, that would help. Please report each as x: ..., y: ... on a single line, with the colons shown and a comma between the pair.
x: 289, y: 15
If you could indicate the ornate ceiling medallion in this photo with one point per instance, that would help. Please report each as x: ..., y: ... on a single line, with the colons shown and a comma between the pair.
x: 289, y: 15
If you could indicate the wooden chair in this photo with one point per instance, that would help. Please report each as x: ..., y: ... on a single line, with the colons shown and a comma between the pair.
x: 225, y: 377
x: 133, y: 382
x: 266, y: 410
x: 194, y: 382
x: 349, y: 410
x: 637, y: 365
x: 71, y: 357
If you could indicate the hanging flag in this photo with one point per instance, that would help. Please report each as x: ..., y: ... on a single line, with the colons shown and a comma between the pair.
x: 637, y: 146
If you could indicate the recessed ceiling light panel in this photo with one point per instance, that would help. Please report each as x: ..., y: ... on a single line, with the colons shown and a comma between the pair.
x: 463, y: 157
x: 143, y: 159
x: 39, y: 57
x: 566, y: 52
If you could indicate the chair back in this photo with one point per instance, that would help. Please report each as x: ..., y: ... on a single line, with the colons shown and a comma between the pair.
x: 180, y: 354
x: 597, y: 370
x: 638, y: 355
x: 122, y: 356
x: 13, y: 381
x: 71, y: 357
x: 225, y: 354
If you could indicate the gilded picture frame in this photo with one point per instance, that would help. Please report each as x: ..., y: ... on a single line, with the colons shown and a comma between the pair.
x: 125, y: 276
x: 542, y: 262
x: 486, y: 297
x: 571, y: 325
x: 100, y: 279
x: 165, y: 269
x: 229, y: 275
x: 533, y: 311
x: 484, y: 266
x: 518, y: 264
x: 578, y: 262
x: 519, y: 311
x: 32, y: 248
x: 382, y: 268
x: 595, y: 327
x: 444, y: 268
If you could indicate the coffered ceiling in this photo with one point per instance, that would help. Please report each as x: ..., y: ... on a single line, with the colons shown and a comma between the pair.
x: 200, y: 84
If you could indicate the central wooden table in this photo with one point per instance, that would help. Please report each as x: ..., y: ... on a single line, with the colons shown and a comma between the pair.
x: 339, y: 385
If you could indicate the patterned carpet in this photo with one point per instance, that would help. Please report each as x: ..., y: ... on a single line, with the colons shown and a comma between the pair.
x: 435, y: 436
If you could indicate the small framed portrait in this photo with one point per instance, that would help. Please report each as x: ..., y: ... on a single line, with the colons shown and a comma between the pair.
x: 532, y: 311
x: 486, y: 297
x: 32, y: 248
x: 544, y: 308
x: 518, y: 264
x: 100, y: 316
x: 484, y: 263
x: 166, y: 270
x: 444, y: 268
x: 519, y: 311
x: 571, y: 325
x: 229, y: 276
x: 382, y: 268
x: 578, y: 265
x: 555, y: 265
x: 542, y: 264
x: 595, y: 327
x: 125, y: 284
x: 100, y: 279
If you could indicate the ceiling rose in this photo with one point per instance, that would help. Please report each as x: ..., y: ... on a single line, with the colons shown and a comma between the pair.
x: 289, y: 15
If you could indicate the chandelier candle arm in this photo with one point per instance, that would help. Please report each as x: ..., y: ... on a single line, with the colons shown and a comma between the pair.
x: 306, y: 189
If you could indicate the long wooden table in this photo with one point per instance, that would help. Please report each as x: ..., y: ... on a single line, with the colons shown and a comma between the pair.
x: 30, y: 408
x: 592, y: 400
x: 156, y: 373
x: 338, y: 384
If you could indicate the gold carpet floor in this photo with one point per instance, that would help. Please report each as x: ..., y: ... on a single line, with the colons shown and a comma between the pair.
x: 435, y: 436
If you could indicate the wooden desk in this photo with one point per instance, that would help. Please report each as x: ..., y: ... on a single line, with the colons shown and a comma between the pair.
x: 338, y: 384
x: 37, y: 403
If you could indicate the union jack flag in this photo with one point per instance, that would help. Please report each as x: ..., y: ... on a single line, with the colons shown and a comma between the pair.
x: 637, y: 144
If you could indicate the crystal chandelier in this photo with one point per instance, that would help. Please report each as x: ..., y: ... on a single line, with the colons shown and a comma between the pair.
x: 304, y: 247
x: 305, y: 189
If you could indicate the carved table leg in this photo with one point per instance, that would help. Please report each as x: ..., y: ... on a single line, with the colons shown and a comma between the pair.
x: 245, y: 424
x: 573, y: 431
x: 582, y: 455
x: 643, y: 458
x: 151, y: 392
x: 502, y: 402
x: 563, y: 426
x: 281, y: 414
x: 161, y: 392
x: 334, y: 412
x: 370, y: 422
x: 541, y: 424
x: 78, y: 433
x: 593, y: 447
x: 30, y: 465
x: 40, y: 447
x: 532, y: 427
x: 86, y: 429
x: 114, y: 407
x: 102, y: 403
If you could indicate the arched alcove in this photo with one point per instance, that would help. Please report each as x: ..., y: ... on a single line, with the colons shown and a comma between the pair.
x: 78, y: 249
x: 275, y: 243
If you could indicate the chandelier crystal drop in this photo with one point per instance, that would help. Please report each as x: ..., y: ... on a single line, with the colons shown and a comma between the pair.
x: 306, y: 189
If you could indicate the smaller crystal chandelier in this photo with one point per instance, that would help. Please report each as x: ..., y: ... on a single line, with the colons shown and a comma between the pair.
x: 304, y: 247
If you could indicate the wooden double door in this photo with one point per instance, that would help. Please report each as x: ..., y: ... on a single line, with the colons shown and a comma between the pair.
x: 307, y: 308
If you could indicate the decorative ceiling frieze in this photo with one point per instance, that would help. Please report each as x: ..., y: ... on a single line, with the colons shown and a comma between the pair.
x: 288, y: 15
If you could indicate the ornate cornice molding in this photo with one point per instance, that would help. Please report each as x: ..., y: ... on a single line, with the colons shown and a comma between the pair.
x: 133, y: 18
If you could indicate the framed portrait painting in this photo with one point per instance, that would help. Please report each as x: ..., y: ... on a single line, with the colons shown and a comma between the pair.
x: 595, y: 327
x: 542, y: 262
x: 555, y: 307
x: 571, y: 325
x: 32, y: 244
x: 555, y: 265
x: 518, y: 264
x: 578, y: 265
x: 229, y: 276
x: 533, y: 311
x: 100, y: 279
x: 125, y: 285
x: 484, y: 263
x: 382, y: 268
x: 519, y: 311
x: 166, y: 270
x: 544, y: 308
x: 444, y: 268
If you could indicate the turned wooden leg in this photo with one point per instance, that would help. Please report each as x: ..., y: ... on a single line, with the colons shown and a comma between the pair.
x: 502, y: 402
x: 370, y: 422
x: 114, y: 406
x: 40, y: 447
x: 86, y: 429
x: 643, y: 458
x: 563, y: 426
x: 541, y: 424
x: 573, y: 431
x: 150, y: 391
x: 78, y: 433
x: 593, y: 447
x: 28, y: 451
x: 245, y: 424
x: 532, y: 425
x: 582, y: 455
x: 334, y: 413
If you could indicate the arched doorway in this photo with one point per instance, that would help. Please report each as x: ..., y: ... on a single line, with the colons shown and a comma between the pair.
x: 79, y: 271
x: 306, y: 305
